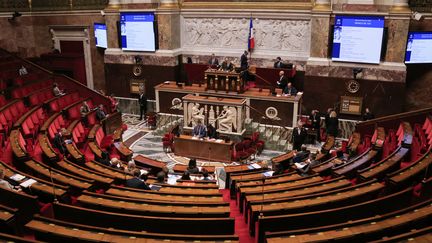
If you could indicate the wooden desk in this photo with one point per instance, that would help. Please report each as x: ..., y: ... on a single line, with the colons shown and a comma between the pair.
x: 223, y: 81
x: 202, y: 149
x: 47, y: 149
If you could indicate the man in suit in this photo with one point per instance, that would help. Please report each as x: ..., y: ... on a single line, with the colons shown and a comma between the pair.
x: 142, y: 100
x: 226, y: 65
x: 283, y: 81
x: 298, y: 136
x: 290, y: 90
x: 211, y: 131
x: 244, y: 61
x: 213, y: 61
x: 136, y: 182
x: 199, y: 130
x: 278, y: 63
x: 368, y: 115
x: 59, y: 142
x: 100, y: 113
x: 301, y: 155
x: 315, y: 120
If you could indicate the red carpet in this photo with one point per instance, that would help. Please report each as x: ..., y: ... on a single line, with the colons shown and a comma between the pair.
x: 241, y: 228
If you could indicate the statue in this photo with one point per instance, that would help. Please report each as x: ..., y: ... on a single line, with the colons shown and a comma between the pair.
x: 197, y: 114
x: 227, y: 119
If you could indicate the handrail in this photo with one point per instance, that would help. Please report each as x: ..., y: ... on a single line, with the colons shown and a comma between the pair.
x: 394, y: 116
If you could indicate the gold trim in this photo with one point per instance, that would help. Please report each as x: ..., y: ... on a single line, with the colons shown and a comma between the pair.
x: 248, y: 5
x: 321, y: 7
x: 400, y: 9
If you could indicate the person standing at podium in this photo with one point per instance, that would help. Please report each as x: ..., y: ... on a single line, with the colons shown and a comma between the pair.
x: 199, y: 130
x: 244, y: 64
x: 213, y: 61
x: 283, y: 81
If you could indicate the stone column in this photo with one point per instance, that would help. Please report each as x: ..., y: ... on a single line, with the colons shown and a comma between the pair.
x: 397, y: 25
x: 320, y: 22
x: 112, y: 15
x: 168, y: 17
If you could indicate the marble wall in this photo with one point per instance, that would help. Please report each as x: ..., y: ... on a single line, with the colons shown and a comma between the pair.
x: 30, y: 36
x: 319, y: 40
x: 396, y: 38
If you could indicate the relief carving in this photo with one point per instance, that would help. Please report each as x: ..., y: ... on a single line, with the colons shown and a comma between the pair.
x: 270, y: 34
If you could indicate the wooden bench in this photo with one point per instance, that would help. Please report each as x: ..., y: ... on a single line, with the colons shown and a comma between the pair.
x: 350, y: 168
x: 8, y: 220
x: 165, y: 196
x: 57, y: 231
x: 47, y: 150
x: 121, y: 206
x: 370, y: 208
x: 412, y: 173
x: 59, y: 176
x: 379, y: 169
x: 13, y: 238
x: 363, y: 230
x: 336, y: 198
x: 101, y: 180
x: 164, y: 225
x: 415, y: 235
x: 42, y: 188
x: 120, y: 176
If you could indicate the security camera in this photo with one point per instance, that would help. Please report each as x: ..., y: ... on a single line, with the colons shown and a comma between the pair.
x: 102, y: 13
x: 417, y: 16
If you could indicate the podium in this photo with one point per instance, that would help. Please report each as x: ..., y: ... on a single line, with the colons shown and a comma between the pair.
x: 222, y: 81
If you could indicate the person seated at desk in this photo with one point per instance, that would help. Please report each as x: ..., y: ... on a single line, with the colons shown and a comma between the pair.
x: 211, y: 132
x: 283, y: 80
x: 205, y: 174
x: 303, y: 168
x: 56, y: 90
x: 160, y: 177
x: 302, y: 155
x: 136, y: 182
x: 192, y: 167
x: 368, y: 115
x: 100, y: 113
x: 290, y: 90
x: 59, y: 142
x: 199, y: 130
x: 186, y: 176
x: 130, y: 167
x: 115, y: 163
x: 278, y: 63
x: 226, y: 65
x: 213, y: 61
x: 4, y: 183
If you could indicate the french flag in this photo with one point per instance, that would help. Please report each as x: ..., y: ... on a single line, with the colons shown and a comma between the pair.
x: 251, y: 39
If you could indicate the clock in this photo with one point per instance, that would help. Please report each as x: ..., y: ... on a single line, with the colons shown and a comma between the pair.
x: 353, y: 86
x: 137, y: 70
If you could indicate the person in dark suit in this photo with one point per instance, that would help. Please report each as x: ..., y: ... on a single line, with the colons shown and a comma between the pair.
x: 192, y: 167
x: 226, y: 65
x: 142, y: 100
x: 368, y: 115
x: 290, y: 90
x: 302, y: 155
x: 327, y: 117
x: 298, y: 136
x: 213, y: 61
x: 59, y: 142
x: 244, y: 64
x: 199, y: 130
x: 186, y: 176
x: 100, y: 113
x: 315, y: 120
x: 283, y: 80
x: 332, y: 127
x: 104, y: 159
x: 278, y: 63
x: 211, y: 131
x: 136, y: 182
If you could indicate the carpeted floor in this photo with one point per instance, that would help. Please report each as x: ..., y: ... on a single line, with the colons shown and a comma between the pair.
x: 241, y: 228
